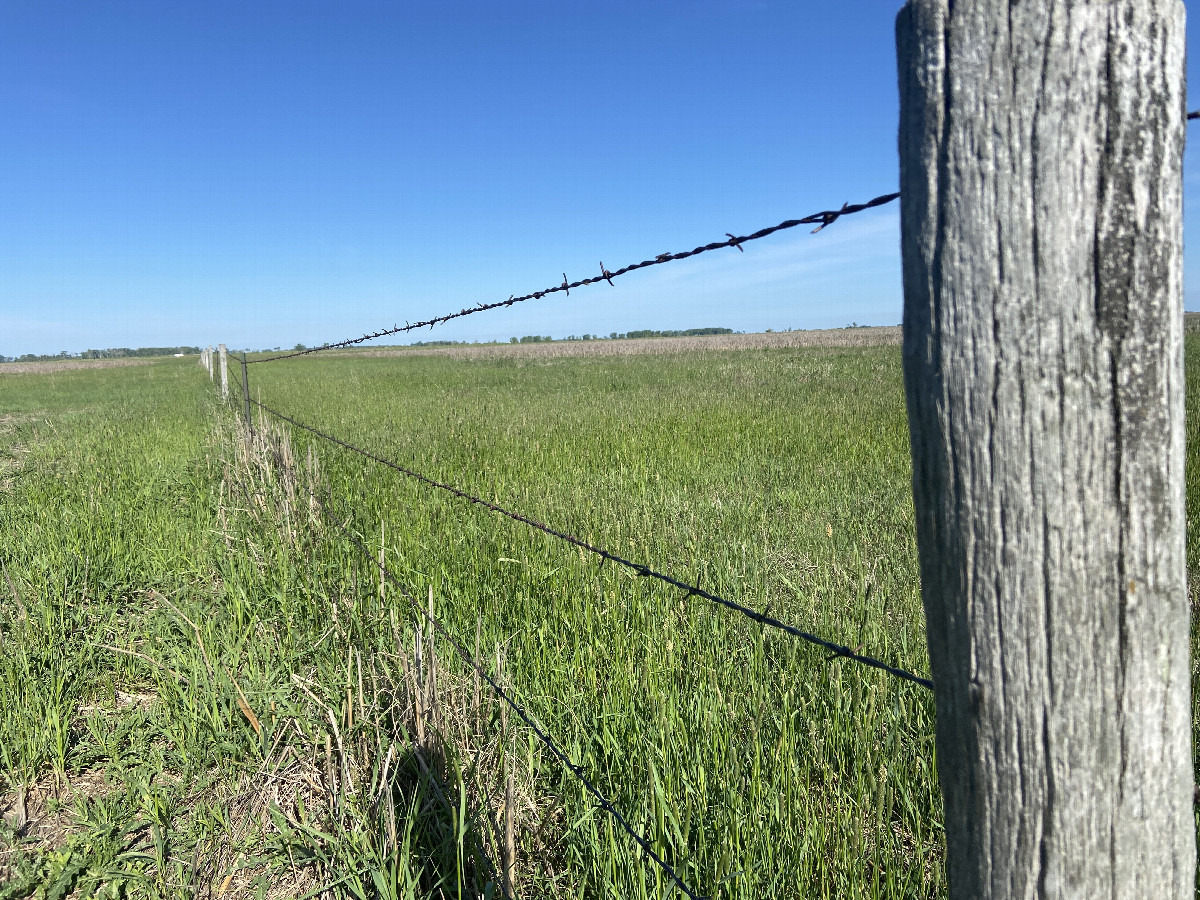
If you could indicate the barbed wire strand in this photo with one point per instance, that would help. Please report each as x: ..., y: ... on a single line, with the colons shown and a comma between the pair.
x: 603, y: 802
x: 839, y: 651
x: 821, y: 219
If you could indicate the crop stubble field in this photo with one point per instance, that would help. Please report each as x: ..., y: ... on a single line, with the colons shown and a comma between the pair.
x: 205, y: 690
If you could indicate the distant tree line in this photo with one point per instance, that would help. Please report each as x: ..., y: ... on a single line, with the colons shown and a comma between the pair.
x: 110, y: 353
x: 620, y: 336
x: 688, y: 332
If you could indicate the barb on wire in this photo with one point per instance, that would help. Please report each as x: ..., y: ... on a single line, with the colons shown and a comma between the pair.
x: 822, y: 220
x: 603, y: 802
x: 693, y: 590
x: 1195, y: 114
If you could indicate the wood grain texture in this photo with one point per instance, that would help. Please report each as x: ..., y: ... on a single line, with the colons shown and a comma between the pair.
x: 1041, y: 153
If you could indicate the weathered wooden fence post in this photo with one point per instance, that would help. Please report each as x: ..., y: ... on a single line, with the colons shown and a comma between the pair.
x: 224, y: 358
x: 1041, y: 178
x: 246, y: 395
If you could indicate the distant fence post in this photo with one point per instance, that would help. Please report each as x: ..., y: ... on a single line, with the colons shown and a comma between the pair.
x: 1041, y: 208
x: 246, y: 393
x: 208, y: 361
x: 224, y: 371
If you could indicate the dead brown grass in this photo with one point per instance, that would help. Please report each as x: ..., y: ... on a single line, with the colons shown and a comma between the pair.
x: 65, y: 365
x: 834, y: 337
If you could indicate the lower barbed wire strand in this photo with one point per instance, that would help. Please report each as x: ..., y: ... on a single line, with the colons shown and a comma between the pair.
x: 838, y: 650
x: 603, y: 802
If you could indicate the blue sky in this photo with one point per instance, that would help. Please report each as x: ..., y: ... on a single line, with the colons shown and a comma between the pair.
x: 269, y: 173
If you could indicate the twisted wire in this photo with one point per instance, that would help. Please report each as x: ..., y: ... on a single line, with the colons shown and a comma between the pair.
x: 821, y: 219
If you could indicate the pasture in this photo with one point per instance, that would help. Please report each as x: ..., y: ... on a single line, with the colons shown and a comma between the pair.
x: 207, y: 690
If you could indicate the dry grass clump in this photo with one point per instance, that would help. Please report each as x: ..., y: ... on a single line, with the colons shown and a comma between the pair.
x: 404, y: 775
x: 261, y: 480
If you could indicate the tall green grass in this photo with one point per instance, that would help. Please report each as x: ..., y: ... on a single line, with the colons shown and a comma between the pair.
x: 778, y: 479
x: 166, y: 698
x: 203, y: 686
x: 109, y: 501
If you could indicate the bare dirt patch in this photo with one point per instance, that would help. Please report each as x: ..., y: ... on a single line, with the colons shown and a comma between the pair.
x: 834, y: 337
x: 64, y: 365
x: 41, y: 812
x: 141, y: 700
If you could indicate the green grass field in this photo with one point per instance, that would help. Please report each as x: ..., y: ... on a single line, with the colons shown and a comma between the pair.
x: 206, y: 691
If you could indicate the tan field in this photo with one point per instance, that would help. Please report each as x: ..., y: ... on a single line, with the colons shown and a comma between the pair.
x: 62, y: 365
x: 834, y: 337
